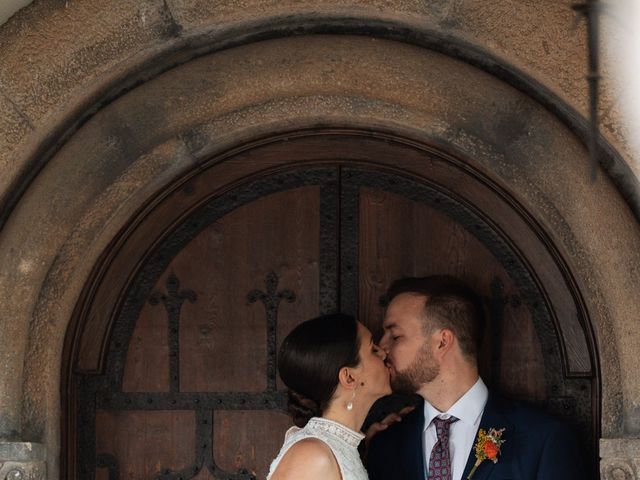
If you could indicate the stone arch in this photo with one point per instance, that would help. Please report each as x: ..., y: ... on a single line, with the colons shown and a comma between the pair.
x: 125, y: 155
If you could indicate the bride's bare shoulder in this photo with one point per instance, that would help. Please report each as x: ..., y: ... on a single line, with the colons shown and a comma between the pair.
x: 310, y: 459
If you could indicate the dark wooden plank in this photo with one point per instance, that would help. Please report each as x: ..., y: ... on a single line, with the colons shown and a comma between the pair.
x: 102, y: 474
x: 223, y: 337
x: 400, y: 237
x: 522, y: 366
x: 248, y: 439
x: 147, y: 366
x: 146, y: 442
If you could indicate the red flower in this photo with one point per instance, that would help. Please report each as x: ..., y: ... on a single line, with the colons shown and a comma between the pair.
x: 487, y: 447
x: 491, y: 450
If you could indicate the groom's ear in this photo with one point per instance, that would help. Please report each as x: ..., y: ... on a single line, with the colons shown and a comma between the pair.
x: 446, y: 339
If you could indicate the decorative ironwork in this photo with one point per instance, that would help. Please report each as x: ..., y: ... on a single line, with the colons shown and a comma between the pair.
x: 204, y: 455
x: 191, y: 401
x: 108, y: 461
x: 329, y: 243
x: 105, y: 391
x: 271, y: 300
x: 172, y: 301
x: 339, y: 246
x: 158, y: 260
x: 472, y: 220
x: 349, y: 242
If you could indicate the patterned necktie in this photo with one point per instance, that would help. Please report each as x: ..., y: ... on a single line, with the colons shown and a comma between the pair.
x: 439, y: 462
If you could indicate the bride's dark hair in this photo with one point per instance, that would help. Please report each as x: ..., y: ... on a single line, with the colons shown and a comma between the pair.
x: 310, y: 359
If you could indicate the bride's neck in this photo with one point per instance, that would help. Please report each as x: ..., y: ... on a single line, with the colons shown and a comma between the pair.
x: 352, y: 419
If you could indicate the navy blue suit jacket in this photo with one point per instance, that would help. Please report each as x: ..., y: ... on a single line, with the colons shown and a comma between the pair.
x: 537, y: 447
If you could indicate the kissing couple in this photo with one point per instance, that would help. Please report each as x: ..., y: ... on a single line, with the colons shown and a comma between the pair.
x: 432, y: 332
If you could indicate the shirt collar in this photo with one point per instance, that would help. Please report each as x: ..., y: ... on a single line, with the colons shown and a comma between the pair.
x: 467, y: 409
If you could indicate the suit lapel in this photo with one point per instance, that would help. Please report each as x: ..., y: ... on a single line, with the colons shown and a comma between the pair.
x: 416, y: 448
x: 491, y: 418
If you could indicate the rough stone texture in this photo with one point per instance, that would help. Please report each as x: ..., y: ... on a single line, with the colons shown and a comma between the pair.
x: 619, y: 459
x: 52, y: 73
x: 22, y: 461
x: 9, y: 7
x: 537, y: 37
x: 13, y: 123
x: 50, y: 68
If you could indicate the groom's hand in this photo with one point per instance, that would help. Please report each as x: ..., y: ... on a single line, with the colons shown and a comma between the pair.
x: 385, y: 423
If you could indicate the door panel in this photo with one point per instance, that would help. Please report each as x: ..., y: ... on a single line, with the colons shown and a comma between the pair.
x: 140, y: 441
x: 248, y: 439
x: 223, y: 337
x: 147, y: 367
x: 189, y: 388
x: 203, y: 336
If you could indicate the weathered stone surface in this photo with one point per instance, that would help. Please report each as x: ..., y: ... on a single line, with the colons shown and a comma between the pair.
x: 22, y: 461
x: 538, y: 38
x: 620, y: 447
x: 13, y: 123
x: 53, y: 74
x: 52, y: 70
x: 22, y: 451
x: 620, y: 458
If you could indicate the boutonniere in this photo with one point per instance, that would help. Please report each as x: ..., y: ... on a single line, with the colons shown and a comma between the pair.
x: 487, y: 447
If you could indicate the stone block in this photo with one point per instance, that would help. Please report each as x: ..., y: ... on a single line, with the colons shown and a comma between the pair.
x: 22, y: 461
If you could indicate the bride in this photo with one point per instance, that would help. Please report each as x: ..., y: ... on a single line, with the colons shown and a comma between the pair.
x: 335, y: 373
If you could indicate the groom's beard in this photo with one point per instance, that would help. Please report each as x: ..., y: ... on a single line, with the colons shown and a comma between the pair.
x: 423, y: 369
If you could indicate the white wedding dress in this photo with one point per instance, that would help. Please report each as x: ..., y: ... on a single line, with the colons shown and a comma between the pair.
x: 342, y: 441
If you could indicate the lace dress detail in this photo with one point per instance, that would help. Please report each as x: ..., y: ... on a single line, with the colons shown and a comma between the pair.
x: 342, y: 441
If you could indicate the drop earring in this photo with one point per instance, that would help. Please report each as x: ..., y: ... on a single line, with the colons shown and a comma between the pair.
x: 350, y: 404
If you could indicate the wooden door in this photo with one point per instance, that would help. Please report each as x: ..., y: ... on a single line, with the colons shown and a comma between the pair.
x: 189, y: 388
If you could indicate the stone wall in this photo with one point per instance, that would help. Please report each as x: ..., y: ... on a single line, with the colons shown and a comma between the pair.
x: 620, y: 459
x: 97, y: 118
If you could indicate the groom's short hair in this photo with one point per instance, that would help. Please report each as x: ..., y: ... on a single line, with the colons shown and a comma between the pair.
x: 449, y: 303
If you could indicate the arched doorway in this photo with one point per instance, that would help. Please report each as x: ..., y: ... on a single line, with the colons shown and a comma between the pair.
x: 172, y: 354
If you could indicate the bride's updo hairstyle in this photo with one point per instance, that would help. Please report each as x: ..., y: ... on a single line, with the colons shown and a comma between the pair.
x: 310, y: 359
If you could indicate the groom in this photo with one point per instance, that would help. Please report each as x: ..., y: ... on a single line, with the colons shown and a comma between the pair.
x: 432, y: 331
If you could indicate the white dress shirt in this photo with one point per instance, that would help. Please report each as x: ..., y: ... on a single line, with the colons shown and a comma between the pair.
x: 462, y: 434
